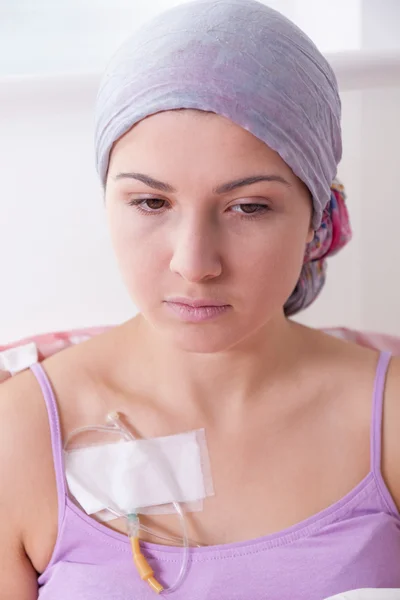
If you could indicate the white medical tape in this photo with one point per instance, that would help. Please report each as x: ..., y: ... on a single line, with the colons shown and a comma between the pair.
x: 133, y: 476
x: 19, y: 358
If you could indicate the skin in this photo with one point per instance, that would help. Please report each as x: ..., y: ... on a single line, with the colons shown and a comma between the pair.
x: 203, y: 244
x: 286, y: 409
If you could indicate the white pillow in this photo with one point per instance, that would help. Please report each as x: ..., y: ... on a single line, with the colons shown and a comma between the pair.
x: 368, y: 594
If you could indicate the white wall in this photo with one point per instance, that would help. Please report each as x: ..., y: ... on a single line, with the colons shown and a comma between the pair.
x: 56, y: 263
x: 78, y: 36
x: 57, y: 266
x: 363, y: 284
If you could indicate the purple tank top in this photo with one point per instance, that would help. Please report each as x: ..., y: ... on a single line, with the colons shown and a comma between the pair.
x: 352, y: 544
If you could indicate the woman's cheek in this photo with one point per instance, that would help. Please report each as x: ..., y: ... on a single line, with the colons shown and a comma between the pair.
x: 276, y: 270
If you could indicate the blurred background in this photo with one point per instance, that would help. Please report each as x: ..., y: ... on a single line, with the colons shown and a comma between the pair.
x: 57, y: 266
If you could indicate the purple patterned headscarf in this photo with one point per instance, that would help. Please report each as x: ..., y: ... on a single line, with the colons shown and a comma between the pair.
x: 247, y: 62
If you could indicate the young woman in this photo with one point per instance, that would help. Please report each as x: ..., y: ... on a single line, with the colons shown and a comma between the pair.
x: 217, y: 142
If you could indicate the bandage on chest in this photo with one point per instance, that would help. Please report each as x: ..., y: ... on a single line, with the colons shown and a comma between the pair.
x: 141, y: 475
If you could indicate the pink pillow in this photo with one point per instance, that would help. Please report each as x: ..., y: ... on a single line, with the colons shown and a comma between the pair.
x: 50, y: 343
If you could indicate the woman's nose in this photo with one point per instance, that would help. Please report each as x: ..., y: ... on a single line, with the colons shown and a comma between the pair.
x: 195, y: 254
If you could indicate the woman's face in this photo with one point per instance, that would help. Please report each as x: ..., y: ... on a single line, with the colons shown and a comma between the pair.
x: 242, y: 246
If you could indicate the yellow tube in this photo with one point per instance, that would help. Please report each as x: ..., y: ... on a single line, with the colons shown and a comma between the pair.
x: 144, y: 569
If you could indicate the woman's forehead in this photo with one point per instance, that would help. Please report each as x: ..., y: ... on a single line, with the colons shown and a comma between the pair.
x: 189, y: 132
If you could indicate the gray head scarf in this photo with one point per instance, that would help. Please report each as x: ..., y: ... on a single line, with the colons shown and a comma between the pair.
x: 242, y: 60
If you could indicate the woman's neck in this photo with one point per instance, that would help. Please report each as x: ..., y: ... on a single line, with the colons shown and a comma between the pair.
x: 219, y: 384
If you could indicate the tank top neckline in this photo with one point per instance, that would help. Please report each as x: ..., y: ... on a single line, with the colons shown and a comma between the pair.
x: 285, y: 536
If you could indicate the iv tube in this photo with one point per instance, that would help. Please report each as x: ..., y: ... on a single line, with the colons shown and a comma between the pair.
x: 133, y: 523
x: 115, y: 420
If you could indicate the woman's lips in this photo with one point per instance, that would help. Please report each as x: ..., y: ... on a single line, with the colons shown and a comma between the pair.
x: 196, y: 310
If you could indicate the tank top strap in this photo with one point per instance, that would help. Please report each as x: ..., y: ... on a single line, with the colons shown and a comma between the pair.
x: 55, y: 435
x: 377, y: 411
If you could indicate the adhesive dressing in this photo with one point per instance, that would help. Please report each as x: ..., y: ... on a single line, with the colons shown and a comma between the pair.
x: 141, y: 475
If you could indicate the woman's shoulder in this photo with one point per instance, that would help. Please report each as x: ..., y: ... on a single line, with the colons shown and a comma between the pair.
x: 390, y: 429
x: 359, y: 361
x: 26, y: 456
x: 22, y: 415
x: 24, y: 422
x: 374, y: 390
x: 79, y: 376
x: 353, y: 369
x: 26, y: 465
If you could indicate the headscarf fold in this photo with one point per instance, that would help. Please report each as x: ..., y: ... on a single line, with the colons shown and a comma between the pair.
x: 247, y: 62
x: 332, y: 235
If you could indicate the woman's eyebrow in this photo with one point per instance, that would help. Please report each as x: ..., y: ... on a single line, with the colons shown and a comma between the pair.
x: 222, y: 189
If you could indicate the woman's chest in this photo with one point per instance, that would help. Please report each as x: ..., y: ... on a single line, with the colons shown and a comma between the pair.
x: 268, y: 475
x: 264, y: 482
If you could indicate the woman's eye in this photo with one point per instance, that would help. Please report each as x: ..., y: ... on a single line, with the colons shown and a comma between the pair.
x: 154, y: 203
x: 250, y: 209
x: 148, y: 204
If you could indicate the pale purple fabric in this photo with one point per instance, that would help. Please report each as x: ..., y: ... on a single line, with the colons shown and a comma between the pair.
x: 355, y: 543
x: 237, y: 58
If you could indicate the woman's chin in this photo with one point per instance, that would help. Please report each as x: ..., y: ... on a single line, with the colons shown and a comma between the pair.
x: 210, y: 337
